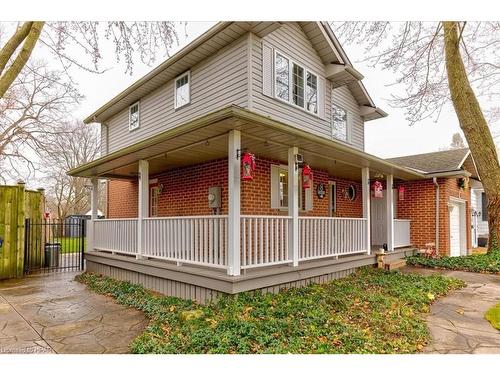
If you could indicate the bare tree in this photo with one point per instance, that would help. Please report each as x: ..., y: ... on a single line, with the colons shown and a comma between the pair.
x: 37, y: 101
x: 457, y: 141
x: 75, y: 144
x: 131, y: 39
x: 439, y: 63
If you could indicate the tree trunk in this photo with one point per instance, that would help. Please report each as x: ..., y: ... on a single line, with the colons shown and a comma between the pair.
x: 475, y: 128
x: 22, y: 58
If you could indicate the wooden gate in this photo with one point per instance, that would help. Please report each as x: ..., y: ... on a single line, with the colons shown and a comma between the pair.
x: 16, y: 204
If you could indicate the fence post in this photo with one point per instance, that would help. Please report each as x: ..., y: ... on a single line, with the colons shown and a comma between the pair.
x: 82, y: 239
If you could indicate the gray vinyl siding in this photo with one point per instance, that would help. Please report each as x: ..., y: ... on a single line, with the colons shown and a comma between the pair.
x: 291, y: 40
x: 217, y: 82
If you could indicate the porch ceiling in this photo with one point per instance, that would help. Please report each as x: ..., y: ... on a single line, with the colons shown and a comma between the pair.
x: 205, y: 139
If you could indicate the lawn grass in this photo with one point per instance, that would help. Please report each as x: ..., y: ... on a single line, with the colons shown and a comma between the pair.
x: 371, y: 311
x: 493, y: 316
x: 70, y: 244
x: 483, y: 263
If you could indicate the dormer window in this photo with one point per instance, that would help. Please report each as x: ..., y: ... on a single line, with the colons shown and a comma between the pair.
x: 295, y: 84
x: 182, y: 90
x: 133, y: 116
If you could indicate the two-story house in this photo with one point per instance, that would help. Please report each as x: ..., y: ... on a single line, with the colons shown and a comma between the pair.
x: 239, y: 164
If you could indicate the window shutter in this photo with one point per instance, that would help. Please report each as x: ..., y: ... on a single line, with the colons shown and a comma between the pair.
x: 308, y: 206
x: 267, y: 70
x: 321, y: 97
x: 484, y: 207
x: 275, y: 178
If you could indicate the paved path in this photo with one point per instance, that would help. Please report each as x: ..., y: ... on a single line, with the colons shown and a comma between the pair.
x: 52, y: 313
x: 456, y: 322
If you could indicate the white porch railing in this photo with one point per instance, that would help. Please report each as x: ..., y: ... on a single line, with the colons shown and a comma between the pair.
x: 321, y: 237
x: 203, y: 240
x: 116, y: 235
x: 264, y: 240
x: 401, y: 232
x: 189, y: 239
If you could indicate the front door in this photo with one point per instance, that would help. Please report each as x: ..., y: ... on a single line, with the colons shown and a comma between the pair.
x: 378, y: 208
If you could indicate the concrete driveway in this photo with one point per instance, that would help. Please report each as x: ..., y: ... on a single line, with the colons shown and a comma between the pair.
x: 52, y: 313
x: 456, y: 322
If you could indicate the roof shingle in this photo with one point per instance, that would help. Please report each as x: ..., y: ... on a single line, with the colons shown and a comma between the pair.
x: 433, y: 162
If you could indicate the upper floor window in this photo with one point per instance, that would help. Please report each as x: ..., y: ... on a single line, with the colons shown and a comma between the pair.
x: 312, y: 93
x: 339, y: 123
x: 295, y: 84
x: 133, y: 116
x: 182, y: 90
x: 282, y: 77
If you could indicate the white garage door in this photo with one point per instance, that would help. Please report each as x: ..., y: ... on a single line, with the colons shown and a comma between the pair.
x: 457, y: 229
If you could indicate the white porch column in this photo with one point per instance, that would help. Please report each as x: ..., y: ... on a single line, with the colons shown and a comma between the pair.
x: 93, y: 212
x: 365, y: 182
x: 143, y: 205
x: 234, y: 203
x: 293, y: 206
x: 390, y: 212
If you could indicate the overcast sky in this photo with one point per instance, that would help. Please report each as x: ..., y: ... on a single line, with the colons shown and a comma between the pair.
x: 391, y: 136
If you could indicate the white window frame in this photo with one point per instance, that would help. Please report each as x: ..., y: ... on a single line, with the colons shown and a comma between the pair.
x: 306, y: 70
x: 347, y: 127
x: 130, y: 128
x: 302, y: 198
x: 188, y: 74
x: 154, y: 197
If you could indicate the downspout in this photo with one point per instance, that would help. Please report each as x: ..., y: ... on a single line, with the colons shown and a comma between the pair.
x: 434, y: 180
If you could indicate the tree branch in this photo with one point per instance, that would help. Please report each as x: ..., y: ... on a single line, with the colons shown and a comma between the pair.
x: 22, y: 58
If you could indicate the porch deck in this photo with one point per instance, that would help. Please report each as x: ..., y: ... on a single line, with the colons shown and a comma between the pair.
x: 204, y: 284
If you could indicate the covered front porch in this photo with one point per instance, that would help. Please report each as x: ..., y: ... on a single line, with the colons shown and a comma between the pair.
x: 266, y: 223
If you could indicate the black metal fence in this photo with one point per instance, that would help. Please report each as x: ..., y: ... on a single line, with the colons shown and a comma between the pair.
x: 47, y: 246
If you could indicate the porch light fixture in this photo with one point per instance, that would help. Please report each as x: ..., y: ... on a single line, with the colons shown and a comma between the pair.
x: 248, y: 165
x: 377, y: 189
x: 307, y: 176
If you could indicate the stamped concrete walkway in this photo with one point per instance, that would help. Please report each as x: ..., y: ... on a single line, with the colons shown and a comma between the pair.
x: 52, y: 313
x: 456, y: 322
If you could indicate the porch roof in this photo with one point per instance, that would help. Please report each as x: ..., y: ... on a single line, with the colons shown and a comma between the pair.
x: 205, y: 138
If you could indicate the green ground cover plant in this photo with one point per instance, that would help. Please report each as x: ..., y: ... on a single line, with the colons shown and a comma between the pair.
x: 483, y: 263
x: 371, y: 311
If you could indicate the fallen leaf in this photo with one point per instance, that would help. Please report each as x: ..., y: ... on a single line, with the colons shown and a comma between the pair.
x: 460, y: 311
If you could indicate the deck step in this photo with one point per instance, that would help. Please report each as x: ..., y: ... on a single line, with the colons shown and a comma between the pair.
x: 395, y: 264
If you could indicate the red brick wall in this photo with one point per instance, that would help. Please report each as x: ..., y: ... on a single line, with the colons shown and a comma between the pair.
x: 256, y: 194
x: 185, y: 192
x: 419, y: 206
x: 123, y: 199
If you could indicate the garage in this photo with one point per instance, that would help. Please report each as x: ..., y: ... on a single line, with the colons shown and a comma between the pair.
x: 458, y: 232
